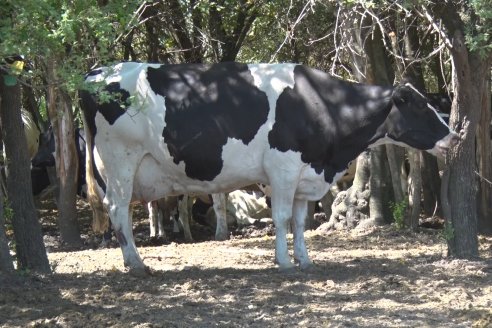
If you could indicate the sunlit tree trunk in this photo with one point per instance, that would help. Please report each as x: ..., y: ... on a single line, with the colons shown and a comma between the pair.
x: 61, y: 117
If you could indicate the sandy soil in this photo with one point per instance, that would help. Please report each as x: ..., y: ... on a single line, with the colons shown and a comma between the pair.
x: 379, y: 278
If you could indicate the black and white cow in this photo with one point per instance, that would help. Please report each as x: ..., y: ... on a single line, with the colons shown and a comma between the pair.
x: 155, y: 130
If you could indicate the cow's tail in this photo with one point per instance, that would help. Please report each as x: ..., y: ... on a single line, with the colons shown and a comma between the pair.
x: 95, y: 192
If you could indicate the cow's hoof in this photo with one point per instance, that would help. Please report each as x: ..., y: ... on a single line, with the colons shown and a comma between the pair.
x: 140, y: 272
x: 222, y: 237
x: 288, y: 267
x: 306, y: 266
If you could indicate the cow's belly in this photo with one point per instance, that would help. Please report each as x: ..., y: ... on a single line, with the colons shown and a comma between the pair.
x: 155, y: 179
x: 312, y: 186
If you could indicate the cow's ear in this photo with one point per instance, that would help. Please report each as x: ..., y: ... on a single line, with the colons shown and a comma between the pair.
x: 402, y: 94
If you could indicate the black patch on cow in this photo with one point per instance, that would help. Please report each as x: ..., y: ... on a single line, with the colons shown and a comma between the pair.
x: 94, y: 72
x: 111, y: 101
x: 206, y: 105
x: 117, y: 103
x: 326, y: 119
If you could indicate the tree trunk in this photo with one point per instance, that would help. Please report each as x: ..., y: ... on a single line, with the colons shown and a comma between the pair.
x: 414, y: 187
x: 376, y: 209
x: 485, y: 162
x: 6, y: 264
x: 460, y: 187
x: 61, y: 117
x: 379, y: 71
x: 395, y: 162
x: 413, y: 73
x: 431, y: 184
x: 30, y: 249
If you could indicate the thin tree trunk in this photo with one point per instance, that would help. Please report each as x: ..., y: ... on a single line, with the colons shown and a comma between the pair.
x: 414, y: 74
x: 414, y: 187
x: 30, y: 249
x: 61, y: 117
x: 431, y: 184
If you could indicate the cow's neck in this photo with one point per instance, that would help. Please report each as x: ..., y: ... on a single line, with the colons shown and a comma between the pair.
x: 368, y: 128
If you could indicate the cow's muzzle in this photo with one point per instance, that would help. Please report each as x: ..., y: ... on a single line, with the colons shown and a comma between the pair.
x: 442, y: 146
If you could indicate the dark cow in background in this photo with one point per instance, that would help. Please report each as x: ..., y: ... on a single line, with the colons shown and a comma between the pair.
x: 197, y: 128
x: 43, y: 164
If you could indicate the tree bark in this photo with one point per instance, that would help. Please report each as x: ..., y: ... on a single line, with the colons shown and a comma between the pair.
x: 350, y: 207
x: 376, y: 209
x: 6, y: 264
x: 431, y: 185
x: 30, y: 251
x: 485, y: 161
x: 61, y: 117
x: 395, y: 162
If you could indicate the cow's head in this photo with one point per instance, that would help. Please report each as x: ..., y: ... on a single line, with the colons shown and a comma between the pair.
x: 414, y: 122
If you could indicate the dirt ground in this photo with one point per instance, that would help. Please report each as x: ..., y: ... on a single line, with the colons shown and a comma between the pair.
x: 377, y: 278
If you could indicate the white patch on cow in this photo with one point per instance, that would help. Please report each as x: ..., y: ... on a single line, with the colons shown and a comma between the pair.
x: 272, y: 79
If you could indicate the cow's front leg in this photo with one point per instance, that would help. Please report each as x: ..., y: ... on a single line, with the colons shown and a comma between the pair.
x: 299, y: 212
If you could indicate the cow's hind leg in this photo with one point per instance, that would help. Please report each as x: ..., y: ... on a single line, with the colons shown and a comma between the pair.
x: 153, y: 209
x: 281, y: 214
x: 184, y: 217
x: 299, y: 213
x: 117, y: 201
x: 220, y: 206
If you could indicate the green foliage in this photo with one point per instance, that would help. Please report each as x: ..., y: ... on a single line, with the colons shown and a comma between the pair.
x: 478, y: 26
x: 74, y: 34
x: 399, y: 210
